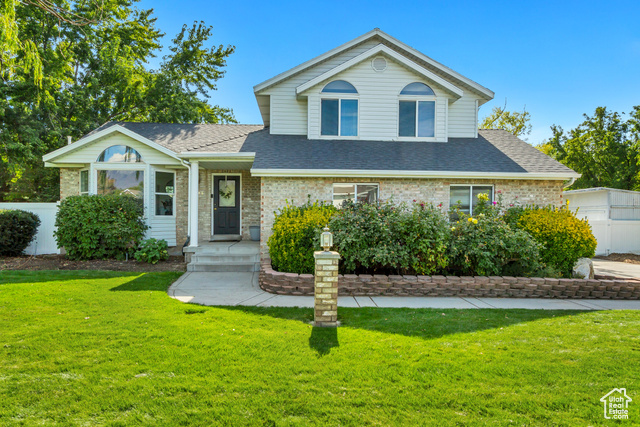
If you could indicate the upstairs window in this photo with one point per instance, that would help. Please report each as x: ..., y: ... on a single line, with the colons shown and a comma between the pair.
x: 339, y: 109
x: 417, y: 111
x: 120, y: 154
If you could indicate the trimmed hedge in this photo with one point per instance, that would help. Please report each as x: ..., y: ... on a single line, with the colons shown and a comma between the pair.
x: 564, y: 237
x: 17, y: 229
x: 295, y: 236
x: 100, y: 226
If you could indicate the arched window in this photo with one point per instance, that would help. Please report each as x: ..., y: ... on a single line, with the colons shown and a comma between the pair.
x: 416, y: 111
x: 339, y: 86
x: 339, y: 109
x: 120, y: 154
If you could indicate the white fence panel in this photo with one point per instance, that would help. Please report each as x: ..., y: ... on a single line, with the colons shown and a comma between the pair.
x: 625, y: 237
x: 44, y: 242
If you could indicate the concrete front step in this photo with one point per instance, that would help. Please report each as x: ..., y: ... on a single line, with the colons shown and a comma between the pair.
x: 223, y: 258
x: 229, y: 266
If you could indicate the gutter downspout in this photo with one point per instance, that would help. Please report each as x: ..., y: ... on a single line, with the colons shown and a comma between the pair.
x: 570, y: 182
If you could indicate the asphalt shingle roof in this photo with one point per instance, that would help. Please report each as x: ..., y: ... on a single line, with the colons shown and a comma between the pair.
x: 492, y: 151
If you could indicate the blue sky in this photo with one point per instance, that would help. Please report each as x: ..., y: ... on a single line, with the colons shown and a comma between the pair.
x: 560, y: 58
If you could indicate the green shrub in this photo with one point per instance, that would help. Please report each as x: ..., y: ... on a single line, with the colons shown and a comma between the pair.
x: 486, y: 246
x: 295, y: 236
x: 17, y: 230
x: 564, y: 237
x: 100, y: 226
x: 388, y: 238
x: 152, y: 251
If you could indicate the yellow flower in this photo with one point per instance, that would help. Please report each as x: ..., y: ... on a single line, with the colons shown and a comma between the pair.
x: 470, y: 219
x: 453, y: 229
x: 475, y: 221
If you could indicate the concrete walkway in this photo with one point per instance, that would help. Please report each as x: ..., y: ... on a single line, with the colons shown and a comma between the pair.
x: 616, y: 268
x: 242, y: 289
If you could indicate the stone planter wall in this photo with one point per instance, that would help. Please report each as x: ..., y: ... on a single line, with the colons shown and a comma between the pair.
x: 453, y: 286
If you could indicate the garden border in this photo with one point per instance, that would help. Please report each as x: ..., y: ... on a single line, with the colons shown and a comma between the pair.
x: 453, y: 286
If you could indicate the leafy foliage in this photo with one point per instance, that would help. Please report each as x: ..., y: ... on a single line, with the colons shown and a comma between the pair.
x: 294, y: 237
x: 17, y: 230
x: 564, y: 237
x: 486, y: 245
x: 94, y: 73
x: 604, y: 148
x: 512, y: 121
x: 388, y: 238
x: 100, y: 226
x: 152, y: 251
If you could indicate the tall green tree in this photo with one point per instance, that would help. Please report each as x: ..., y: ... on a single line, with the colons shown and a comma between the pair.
x: 93, y: 73
x: 514, y: 122
x: 604, y: 148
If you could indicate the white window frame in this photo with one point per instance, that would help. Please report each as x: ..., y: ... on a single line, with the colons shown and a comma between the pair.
x: 339, y: 97
x: 417, y: 99
x: 355, y: 184
x: 155, y: 193
x: 491, y: 199
x: 80, y: 192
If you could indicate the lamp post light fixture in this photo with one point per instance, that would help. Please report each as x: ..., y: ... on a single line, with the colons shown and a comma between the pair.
x: 326, y: 239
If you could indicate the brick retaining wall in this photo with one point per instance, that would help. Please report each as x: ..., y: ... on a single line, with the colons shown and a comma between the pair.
x: 453, y: 286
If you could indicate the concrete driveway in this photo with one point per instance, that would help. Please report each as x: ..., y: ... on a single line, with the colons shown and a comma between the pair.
x: 231, y: 289
x: 616, y: 268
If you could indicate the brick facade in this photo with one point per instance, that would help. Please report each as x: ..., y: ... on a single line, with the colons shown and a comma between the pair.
x: 275, y: 191
x: 69, y: 182
x: 182, y: 206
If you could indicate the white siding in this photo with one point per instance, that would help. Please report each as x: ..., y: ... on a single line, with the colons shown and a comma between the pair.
x: 89, y: 153
x: 463, y: 117
x: 378, y: 101
x: 160, y: 227
x: 284, y: 104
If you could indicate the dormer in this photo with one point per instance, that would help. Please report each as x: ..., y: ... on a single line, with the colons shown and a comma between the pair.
x: 372, y: 88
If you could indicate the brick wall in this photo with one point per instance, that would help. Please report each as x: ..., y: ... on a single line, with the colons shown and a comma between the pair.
x: 69, y: 182
x: 182, y: 206
x: 275, y: 191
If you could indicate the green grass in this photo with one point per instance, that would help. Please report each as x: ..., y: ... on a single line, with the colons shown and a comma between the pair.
x: 111, y: 348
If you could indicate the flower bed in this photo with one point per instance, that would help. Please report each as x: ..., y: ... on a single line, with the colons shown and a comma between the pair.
x: 453, y: 286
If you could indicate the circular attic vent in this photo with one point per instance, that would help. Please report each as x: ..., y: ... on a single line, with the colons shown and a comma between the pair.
x: 379, y: 64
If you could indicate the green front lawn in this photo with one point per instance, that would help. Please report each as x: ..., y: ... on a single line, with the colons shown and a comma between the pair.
x: 92, y: 348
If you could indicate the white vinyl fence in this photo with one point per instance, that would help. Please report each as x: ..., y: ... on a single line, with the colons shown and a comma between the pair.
x: 44, y: 242
x: 614, y: 216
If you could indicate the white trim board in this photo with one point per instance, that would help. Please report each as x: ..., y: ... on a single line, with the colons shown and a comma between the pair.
x: 346, y: 173
x: 105, y: 132
x: 376, y: 50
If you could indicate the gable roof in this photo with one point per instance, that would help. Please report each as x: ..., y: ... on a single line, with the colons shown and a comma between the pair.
x: 402, y: 48
x: 380, y: 48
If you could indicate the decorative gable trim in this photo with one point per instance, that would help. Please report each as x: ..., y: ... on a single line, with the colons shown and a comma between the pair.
x: 454, y: 90
x: 105, y: 132
x: 483, y: 91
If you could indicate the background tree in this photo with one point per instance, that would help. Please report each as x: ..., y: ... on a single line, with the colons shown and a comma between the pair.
x: 511, y: 121
x: 94, y: 69
x: 604, y: 148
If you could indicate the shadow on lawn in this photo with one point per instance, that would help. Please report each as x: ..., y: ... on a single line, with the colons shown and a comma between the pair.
x: 425, y: 323
x: 146, y: 282
x: 27, y: 276
x: 323, y: 340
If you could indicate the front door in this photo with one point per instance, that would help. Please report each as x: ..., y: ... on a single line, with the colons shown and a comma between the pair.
x: 226, y: 205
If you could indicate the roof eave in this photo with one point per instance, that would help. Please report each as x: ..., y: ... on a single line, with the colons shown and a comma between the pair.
x: 355, y: 173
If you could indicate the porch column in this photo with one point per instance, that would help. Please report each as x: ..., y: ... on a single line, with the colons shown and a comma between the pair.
x: 193, y: 203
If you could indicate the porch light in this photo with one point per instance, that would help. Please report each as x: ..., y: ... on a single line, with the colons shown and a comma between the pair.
x: 326, y: 239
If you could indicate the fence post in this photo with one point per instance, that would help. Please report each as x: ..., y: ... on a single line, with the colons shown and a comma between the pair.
x: 326, y: 289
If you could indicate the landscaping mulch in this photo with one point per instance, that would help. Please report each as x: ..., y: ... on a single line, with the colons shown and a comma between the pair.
x: 628, y: 258
x: 60, y: 262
